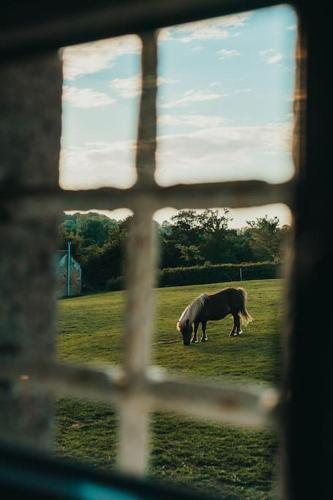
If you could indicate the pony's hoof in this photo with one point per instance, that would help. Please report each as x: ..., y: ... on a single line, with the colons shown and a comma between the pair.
x: 204, y: 339
x: 240, y: 332
x: 233, y: 334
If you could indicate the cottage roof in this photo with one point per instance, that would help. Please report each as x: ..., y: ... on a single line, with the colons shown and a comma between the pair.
x: 59, y: 255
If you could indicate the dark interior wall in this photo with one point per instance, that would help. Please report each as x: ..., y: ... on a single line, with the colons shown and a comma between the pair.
x: 30, y: 126
x: 309, y: 384
x: 40, y: 25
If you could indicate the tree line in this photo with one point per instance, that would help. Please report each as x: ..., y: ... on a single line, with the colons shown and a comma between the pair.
x: 189, y: 238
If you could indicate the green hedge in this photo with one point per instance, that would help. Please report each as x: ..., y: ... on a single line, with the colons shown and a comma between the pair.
x: 196, y: 275
x: 115, y: 284
x: 217, y: 273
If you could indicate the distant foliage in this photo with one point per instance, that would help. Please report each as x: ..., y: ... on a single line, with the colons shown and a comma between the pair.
x: 98, y: 244
x: 266, y: 238
x: 217, y: 273
x: 195, y: 247
x: 196, y: 275
x: 115, y: 284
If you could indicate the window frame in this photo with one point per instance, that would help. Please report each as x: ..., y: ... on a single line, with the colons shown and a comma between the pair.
x: 137, y: 389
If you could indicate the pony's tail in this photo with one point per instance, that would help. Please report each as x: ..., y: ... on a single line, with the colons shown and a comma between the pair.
x: 245, y: 315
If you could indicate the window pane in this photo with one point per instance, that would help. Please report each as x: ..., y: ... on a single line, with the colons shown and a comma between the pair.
x: 90, y: 321
x: 225, y: 98
x: 222, y: 461
x: 204, y: 252
x: 100, y: 107
x: 87, y: 432
x: 90, y: 326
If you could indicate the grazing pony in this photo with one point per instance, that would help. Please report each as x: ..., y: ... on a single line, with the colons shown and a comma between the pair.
x: 213, y: 307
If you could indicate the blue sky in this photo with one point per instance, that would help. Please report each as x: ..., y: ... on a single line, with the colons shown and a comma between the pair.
x: 224, y: 105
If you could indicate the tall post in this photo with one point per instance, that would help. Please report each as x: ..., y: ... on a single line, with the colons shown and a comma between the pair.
x: 68, y: 268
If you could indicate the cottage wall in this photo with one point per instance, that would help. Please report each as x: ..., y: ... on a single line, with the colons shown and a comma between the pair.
x: 75, y: 277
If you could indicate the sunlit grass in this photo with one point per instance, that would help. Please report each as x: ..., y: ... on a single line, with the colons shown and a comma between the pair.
x: 217, y: 459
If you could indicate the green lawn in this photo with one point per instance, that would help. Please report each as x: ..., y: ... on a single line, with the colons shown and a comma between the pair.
x: 217, y: 459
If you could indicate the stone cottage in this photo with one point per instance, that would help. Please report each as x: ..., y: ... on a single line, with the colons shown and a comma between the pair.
x: 72, y: 286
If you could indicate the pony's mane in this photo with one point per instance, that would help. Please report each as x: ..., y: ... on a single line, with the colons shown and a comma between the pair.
x: 192, y: 310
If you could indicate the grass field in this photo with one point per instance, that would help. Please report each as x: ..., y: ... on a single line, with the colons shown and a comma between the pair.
x: 216, y: 459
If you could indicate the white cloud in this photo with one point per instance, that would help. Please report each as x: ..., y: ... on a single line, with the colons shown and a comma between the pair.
x: 98, y: 164
x: 130, y: 87
x: 90, y: 58
x: 241, y: 91
x: 204, y: 33
x: 234, y: 20
x: 191, y: 96
x: 212, y: 29
x: 127, y: 87
x: 86, y: 98
x: 209, y: 154
x: 227, y: 54
x: 226, y: 153
x: 198, y: 121
x: 271, y: 56
x: 161, y: 80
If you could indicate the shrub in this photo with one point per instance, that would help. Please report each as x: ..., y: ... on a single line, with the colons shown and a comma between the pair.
x: 196, y: 275
x: 114, y: 284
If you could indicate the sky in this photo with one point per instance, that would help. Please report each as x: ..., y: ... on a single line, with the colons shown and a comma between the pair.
x: 225, y: 89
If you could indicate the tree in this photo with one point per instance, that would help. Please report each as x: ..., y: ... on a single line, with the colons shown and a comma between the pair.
x: 213, y: 228
x: 265, y: 238
x: 94, y: 232
x: 67, y: 232
x: 211, y: 222
x: 103, y: 264
x: 176, y: 237
x: 196, y: 237
x: 169, y: 252
x: 185, y: 227
x: 189, y: 255
x: 189, y: 238
x: 238, y: 247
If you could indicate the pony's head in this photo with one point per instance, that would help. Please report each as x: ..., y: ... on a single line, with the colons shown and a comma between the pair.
x: 185, y: 328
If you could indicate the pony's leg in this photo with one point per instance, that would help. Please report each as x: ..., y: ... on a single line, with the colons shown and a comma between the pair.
x: 204, y: 337
x: 238, y: 325
x: 194, y: 339
x: 234, y: 331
